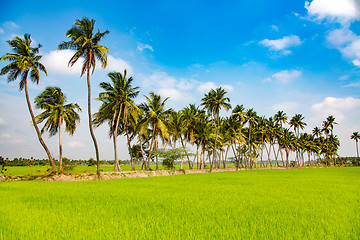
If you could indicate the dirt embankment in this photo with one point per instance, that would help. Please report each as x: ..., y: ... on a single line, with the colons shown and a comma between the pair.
x: 88, y: 176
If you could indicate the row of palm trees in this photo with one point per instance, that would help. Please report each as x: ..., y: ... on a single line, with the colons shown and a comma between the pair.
x: 244, y: 135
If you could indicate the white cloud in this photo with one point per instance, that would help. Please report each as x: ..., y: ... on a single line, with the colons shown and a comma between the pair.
x: 285, y: 106
x: 275, y: 28
x: 3, y: 122
x: 338, y: 107
x: 341, y: 37
x: 355, y: 84
x: 207, y: 86
x: 10, y: 25
x: 284, y: 76
x: 75, y: 144
x: 175, y: 94
x: 57, y: 62
x: 117, y: 64
x: 282, y: 44
x: 142, y: 46
x: 356, y: 62
x: 1, y: 30
x: 334, y: 10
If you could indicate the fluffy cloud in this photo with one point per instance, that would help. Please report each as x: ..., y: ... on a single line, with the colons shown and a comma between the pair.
x: 335, y: 10
x: 75, y: 144
x: 142, y: 46
x: 57, y: 62
x: 341, y: 37
x: 282, y: 44
x: 177, y: 90
x: 338, y: 107
x: 284, y: 76
x: 285, y: 106
x: 207, y: 86
x: 3, y: 122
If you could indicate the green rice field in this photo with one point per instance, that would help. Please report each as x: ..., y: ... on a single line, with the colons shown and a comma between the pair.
x: 315, y: 203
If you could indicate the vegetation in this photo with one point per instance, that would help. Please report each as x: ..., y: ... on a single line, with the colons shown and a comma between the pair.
x: 251, y: 140
x: 272, y: 204
x: 86, y: 44
x: 25, y: 62
x: 52, y: 101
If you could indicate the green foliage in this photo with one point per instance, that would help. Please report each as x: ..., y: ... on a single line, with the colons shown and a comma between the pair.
x: 2, y: 164
x: 91, y: 162
x: 290, y: 204
x: 171, y: 155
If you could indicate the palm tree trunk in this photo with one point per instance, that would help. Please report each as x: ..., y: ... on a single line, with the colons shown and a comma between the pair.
x: 196, y: 157
x: 157, y: 158
x: 151, y: 146
x: 90, y: 124
x: 60, y: 146
x: 117, y: 165
x: 37, y: 129
x: 227, y: 150
x: 142, y: 153
x: 357, y: 148
x: 130, y: 152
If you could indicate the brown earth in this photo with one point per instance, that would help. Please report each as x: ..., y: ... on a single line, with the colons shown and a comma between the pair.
x: 88, y: 176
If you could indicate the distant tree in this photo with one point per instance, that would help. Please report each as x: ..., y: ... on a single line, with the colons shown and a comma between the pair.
x: 356, y: 137
x: 170, y: 156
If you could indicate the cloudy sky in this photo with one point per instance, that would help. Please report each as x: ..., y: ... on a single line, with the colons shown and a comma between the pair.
x: 297, y: 56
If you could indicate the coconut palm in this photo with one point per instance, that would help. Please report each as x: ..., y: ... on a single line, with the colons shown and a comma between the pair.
x: 25, y: 61
x: 356, y: 137
x: 213, y: 102
x: 156, y: 117
x: 118, y: 103
x: 86, y: 44
x: 251, y: 118
x: 55, y: 113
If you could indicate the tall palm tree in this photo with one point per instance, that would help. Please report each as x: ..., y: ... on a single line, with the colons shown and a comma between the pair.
x: 52, y: 101
x: 118, y: 102
x: 213, y: 102
x: 156, y: 117
x: 86, y: 44
x: 25, y: 62
x: 356, y: 137
x: 251, y: 117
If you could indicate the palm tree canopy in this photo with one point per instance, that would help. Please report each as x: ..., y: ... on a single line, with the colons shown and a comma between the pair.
x: 24, y: 60
x: 155, y: 114
x: 86, y: 44
x: 355, y: 136
x: 297, y: 122
x: 280, y: 117
x: 52, y: 101
x: 117, y: 99
x: 215, y: 100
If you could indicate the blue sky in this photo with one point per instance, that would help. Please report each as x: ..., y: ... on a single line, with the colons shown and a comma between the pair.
x: 297, y: 56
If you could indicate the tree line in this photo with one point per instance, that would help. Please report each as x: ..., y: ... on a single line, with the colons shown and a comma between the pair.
x: 251, y: 139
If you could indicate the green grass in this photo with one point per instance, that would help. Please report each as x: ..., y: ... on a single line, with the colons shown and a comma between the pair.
x: 267, y: 204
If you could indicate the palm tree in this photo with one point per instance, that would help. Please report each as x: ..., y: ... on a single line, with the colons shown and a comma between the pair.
x: 356, y: 137
x: 86, y: 44
x: 25, y: 61
x: 297, y: 122
x: 52, y: 101
x: 251, y: 117
x: 213, y: 102
x: 156, y: 118
x: 118, y: 103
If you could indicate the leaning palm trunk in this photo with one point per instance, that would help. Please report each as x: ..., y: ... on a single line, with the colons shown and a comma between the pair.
x: 37, y: 129
x: 117, y: 165
x: 90, y: 123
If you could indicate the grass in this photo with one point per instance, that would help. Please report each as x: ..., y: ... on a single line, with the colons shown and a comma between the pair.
x: 269, y: 204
